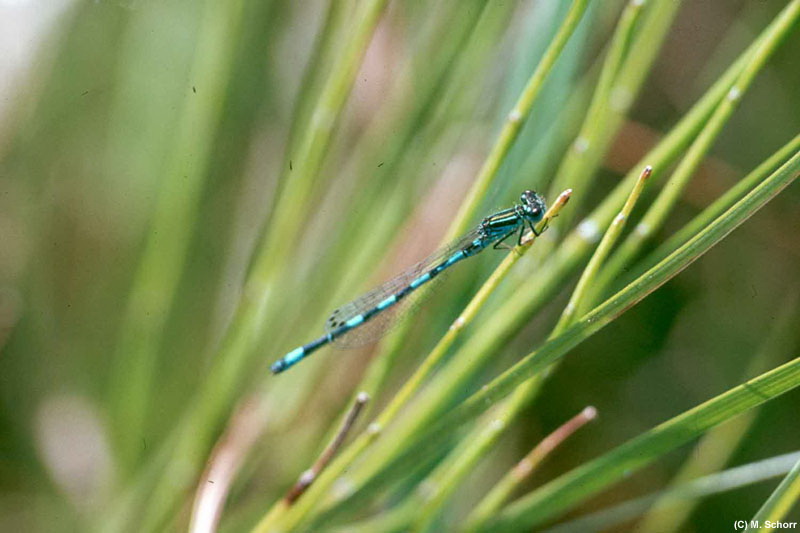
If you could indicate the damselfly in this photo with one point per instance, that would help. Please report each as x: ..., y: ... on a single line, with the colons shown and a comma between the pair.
x: 347, y: 320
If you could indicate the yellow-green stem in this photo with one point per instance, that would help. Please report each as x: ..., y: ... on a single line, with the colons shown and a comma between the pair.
x: 660, y: 209
x: 515, y: 120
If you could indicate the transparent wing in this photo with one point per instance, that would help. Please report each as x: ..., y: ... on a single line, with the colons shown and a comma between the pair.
x: 382, y: 322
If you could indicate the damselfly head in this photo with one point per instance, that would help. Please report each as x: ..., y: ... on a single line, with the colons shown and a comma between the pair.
x: 533, y: 204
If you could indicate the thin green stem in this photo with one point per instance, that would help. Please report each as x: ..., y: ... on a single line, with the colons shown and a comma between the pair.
x: 503, y: 489
x: 394, y: 520
x: 308, y: 477
x: 781, y: 501
x: 435, y: 491
x: 332, y: 31
x: 515, y: 120
x: 165, y: 251
x: 720, y: 205
x: 690, y: 492
x: 580, y: 160
x: 717, y: 446
x: 578, y: 302
x: 297, y: 183
x: 567, y: 490
x: 661, y: 208
x: 634, y: 48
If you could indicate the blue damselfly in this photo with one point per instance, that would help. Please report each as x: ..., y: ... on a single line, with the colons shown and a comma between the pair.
x: 349, y: 319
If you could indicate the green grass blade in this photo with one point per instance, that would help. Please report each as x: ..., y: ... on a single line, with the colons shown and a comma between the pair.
x: 719, y: 206
x: 781, y: 501
x: 661, y: 208
x: 508, y: 484
x: 562, y: 493
x: 165, y: 251
x: 584, y: 155
x: 719, y: 444
x: 633, y: 50
x: 516, y: 118
x: 685, y: 493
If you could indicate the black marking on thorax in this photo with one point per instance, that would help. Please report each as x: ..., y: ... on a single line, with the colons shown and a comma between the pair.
x: 502, y: 222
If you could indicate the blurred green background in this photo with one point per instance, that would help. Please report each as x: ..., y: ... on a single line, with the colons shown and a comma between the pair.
x: 118, y: 116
